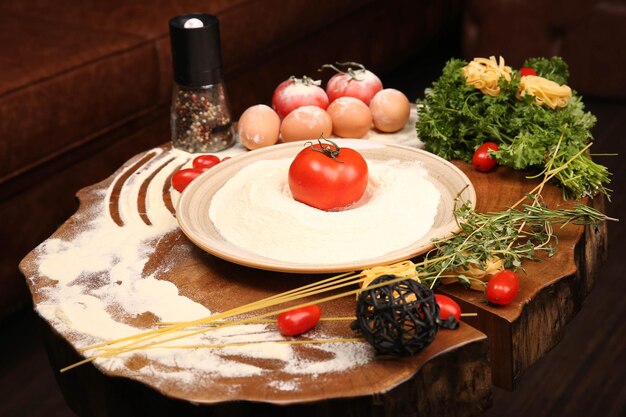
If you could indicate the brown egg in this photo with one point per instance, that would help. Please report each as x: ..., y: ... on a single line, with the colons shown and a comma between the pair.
x: 390, y: 110
x: 258, y: 127
x: 351, y: 117
x: 306, y: 123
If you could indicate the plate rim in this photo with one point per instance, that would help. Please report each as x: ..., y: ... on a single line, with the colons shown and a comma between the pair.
x: 281, y: 266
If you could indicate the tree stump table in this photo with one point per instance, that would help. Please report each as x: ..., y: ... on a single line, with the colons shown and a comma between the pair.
x: 551, y: 291
x: 101, y: 275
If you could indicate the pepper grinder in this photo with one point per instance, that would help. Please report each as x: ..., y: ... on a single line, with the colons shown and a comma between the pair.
x: 200, y: 115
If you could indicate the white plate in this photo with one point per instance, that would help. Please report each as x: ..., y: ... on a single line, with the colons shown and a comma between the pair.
x: 193, y: 206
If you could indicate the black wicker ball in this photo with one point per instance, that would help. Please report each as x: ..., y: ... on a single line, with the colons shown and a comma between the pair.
x: 401, y: 318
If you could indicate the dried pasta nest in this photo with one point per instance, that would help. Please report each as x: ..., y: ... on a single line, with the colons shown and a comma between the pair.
x: 545, y: 91
x: 401, y: 318
x: 484, y: 74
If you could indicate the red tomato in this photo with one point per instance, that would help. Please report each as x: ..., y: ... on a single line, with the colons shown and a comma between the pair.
x: 204, y: 162
x: 298, y: 92
x: 358, y: 83
x: 182, y: 178
x: 502, y: 287
x: 481, y: 160
x: 524, y: 71
x: 299, y: 320
x: 448, y: 307
x: 327, y: 177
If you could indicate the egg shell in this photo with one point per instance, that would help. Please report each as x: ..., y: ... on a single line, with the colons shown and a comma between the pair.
x: 258, y: 127
x: 390, y: 110
x: 350, y: 116
x: 306, y: 123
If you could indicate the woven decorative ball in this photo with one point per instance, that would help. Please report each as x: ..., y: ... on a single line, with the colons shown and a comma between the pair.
x: 401, y: 318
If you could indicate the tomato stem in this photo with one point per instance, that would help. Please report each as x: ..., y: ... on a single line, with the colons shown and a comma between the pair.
x: 325, y: 148
x: 354, y: 74
x: 307, y: 81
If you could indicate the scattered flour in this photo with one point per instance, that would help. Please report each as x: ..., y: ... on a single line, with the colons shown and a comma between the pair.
x: 100, y: 271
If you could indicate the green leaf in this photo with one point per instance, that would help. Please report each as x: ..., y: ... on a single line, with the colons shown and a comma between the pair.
x: 454, y: 119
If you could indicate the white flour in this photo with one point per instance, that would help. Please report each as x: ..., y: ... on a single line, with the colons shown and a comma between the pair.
x: 256, y: 211
x: 100, y: 278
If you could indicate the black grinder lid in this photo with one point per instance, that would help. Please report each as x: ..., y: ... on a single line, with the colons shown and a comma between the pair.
x: 196, y: 52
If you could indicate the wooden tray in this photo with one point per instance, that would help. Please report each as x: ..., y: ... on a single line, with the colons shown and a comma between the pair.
x: 451, y: 377
x: 457, y: 361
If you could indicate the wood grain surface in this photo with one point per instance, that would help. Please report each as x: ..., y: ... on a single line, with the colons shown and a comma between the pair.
x: 451, y: 377
x: 454, y: 368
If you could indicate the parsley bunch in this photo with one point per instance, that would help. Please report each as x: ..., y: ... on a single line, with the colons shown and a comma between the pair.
x: 454, y: 119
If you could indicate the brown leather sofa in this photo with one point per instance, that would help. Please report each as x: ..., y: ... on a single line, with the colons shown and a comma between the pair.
x: 85, y: 85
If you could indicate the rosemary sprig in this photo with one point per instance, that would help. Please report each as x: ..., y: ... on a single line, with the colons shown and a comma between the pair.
x: 511, y: 236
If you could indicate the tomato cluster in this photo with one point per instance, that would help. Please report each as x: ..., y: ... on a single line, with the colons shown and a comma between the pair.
x: 182, y: 177
x: 295, y: 92
x: 302, y: 109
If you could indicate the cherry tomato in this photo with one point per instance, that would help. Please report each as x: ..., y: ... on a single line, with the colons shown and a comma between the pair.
x: 358, y: 83
x: 502, y: 287
x: 327, y: 177
x: 182, y: 178
x: 448, y: 307
x: 481, y: 160
x: 298, y: 92
x: 524, y: 71
x: 204, y: 162
x: 299, y: 320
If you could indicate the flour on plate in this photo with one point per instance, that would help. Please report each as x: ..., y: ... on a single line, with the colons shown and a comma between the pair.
x: 256, y: 211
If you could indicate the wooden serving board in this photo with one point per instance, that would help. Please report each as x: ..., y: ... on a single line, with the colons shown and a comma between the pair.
x: 452, y: 376
x: 452, y: 370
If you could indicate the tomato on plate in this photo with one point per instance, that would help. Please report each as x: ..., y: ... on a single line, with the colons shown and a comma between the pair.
x: 358, y: 83
x: 524, y: 71
x: 182, y: 178
x: 327, y: 177
x: 481, y: 160
x: 299, y: 320
x: 298, y: 92
x: 502, y: 287
x: 448, y: 307
x: 204, y: 162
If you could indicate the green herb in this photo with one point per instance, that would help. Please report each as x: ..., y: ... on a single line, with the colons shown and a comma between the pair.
x: 513, y: 236
x: 509, y: 236
x: 454, y: 119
